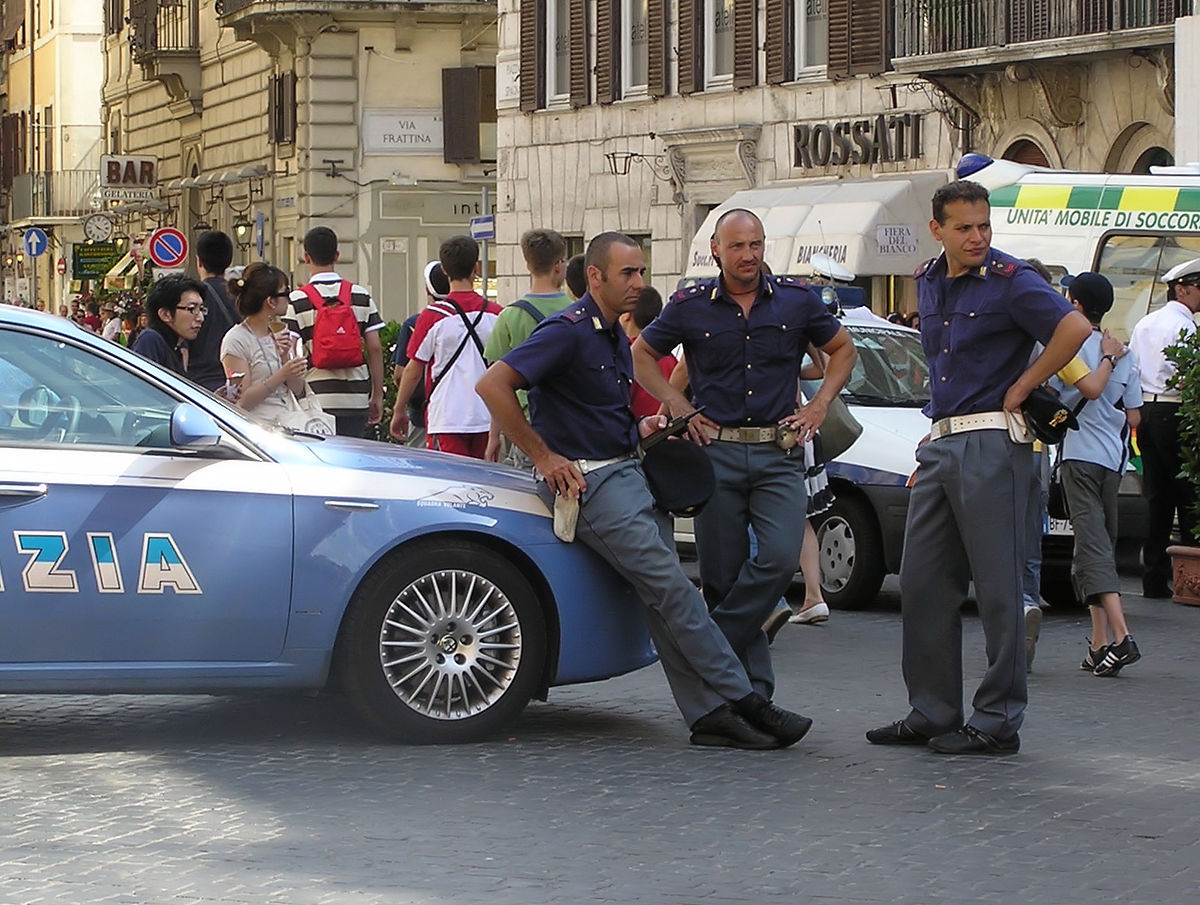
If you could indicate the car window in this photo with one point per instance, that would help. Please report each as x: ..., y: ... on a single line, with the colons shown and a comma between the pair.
x: 1135, y: 265
x: 890, y: 370
x: 53, y: 392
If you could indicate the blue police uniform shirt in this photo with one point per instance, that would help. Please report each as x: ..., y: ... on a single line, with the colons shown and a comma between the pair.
x: 978, y: 330
x: 744, y: 369
x: 580, y: 375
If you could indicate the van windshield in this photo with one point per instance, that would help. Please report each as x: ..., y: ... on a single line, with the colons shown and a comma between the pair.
x: 1134, y: 265
x: 890, y: 370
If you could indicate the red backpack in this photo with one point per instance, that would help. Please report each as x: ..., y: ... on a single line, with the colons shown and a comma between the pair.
x: 336, y: 339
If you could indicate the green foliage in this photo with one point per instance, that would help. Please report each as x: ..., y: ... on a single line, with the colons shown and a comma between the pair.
x: 1186, y: 356
x: 387, y: 339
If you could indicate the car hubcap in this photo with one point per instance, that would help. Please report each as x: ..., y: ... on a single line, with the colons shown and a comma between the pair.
x: 837, y: 553
x: 450, y: 644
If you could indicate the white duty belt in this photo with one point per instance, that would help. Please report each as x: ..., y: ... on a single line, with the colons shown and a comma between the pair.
x: 1012, y: 422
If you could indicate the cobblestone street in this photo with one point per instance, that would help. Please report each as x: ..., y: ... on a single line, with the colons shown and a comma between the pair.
x: 597, y: 797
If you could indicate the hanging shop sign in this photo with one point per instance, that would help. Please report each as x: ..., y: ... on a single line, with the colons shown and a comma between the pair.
x: 92, y: 261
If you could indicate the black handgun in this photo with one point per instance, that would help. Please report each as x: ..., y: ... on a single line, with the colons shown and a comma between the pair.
x: 675, y: 427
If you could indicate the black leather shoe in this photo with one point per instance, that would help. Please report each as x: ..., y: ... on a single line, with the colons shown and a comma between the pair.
x: 897, y: 733
x: 1156, y: 591
x: 784, y: 725
x: 723, y: 728
x: 969, y: 740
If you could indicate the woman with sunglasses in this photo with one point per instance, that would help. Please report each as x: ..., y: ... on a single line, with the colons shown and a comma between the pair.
x: 257, y: 353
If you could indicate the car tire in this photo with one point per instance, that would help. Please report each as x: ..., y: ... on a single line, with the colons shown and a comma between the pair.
x: 444, y: 642
x: 852, y: 567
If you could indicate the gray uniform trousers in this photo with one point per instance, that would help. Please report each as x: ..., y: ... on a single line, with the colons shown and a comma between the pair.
x: 760, y: 486
x: 967, y: 520
x: 618, y: 520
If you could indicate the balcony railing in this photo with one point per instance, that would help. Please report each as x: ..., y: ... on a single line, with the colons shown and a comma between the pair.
x: 163, y: 27
x: 944, y: 26
x: 62, y: 194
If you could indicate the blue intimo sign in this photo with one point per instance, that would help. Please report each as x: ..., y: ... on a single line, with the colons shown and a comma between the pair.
x: 35, y: 242
x: 483, y: 227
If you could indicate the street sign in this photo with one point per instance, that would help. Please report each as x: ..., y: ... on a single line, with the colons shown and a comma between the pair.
x: 483, y: 227
x: 35, y: 242
x: 94, y: 261
x: 260, y: 240
x: 168, y: 247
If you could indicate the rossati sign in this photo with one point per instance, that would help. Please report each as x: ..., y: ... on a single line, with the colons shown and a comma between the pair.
x: 881, y: 139
x: 400, y: 131
x: 125, y: 177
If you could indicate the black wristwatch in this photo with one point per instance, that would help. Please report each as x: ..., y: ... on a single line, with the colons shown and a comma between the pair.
x: 1112, y: 359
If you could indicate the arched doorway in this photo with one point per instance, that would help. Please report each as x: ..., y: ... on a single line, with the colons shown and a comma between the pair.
x: 1153, y: 157
x: 1027, y: 152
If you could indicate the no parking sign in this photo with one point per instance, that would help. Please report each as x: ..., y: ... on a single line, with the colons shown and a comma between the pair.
x: 168, y: 247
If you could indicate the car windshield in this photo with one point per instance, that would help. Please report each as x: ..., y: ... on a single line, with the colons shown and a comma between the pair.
x: 890, y: 370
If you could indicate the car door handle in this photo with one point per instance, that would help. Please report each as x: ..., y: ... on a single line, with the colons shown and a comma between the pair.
x: 23, y: 491
x: 351, y: 505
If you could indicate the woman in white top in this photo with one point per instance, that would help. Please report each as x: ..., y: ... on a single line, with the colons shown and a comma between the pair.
x: 260, y: 347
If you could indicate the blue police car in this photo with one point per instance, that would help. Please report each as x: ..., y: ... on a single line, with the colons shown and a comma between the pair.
x: 154, y: 539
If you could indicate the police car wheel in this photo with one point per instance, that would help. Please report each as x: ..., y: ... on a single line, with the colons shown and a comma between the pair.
x: 444, y: 642
x: 852, y: 567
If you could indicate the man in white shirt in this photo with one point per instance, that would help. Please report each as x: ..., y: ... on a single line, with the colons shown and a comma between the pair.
x: 1158, y: 434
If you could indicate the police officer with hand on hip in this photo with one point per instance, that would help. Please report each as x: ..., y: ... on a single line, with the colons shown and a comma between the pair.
x: 744, y: 336
x: 981, y: 313
x: 583, y: 439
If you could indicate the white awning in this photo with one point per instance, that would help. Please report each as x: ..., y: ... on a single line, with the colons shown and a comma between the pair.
x: 873, y: 227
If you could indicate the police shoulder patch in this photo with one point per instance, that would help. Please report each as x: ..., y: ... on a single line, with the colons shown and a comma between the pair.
x: 1002, y: 268
x: 794, y: 282
x: 576, y: 314
x: 695, y: 291
x: 920, y: 271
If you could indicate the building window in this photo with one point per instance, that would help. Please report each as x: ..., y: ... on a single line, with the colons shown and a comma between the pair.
x: 635, y: 46
x: 812, y: 36
x: 281, y: 108
x: 558, y: 60
x: 718, y: 43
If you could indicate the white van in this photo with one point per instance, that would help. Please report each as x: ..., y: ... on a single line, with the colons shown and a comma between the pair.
x: 862, y: 535
x: 1131, y: 228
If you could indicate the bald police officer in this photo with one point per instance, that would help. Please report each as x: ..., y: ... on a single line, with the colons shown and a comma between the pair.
x: 981, y: 312
x: 582, y: 438
x: 744, y: 337
x: 1158, y: 434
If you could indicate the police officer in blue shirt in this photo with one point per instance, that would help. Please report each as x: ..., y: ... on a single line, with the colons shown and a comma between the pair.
x: 744, y: 337
x: 981, y: 312
x: 582, y: 438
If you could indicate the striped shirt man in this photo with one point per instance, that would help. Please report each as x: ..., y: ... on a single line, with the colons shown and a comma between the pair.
x: 344, y: 393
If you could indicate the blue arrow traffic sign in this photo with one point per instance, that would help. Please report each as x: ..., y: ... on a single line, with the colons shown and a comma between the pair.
x: 35, y: 242
x: 483, y: 227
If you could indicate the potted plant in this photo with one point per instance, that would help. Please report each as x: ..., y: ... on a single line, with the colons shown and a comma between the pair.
x: 1185, y: 559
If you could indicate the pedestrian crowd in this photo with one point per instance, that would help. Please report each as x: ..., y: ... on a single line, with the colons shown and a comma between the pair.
x: 581, y: 384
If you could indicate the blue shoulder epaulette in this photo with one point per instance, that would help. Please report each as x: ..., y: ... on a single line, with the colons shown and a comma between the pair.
x: 575, y: 314
x: 695, y: 291
x: 1001, y: 268
x: 920, y: 271
x: 794, y: 282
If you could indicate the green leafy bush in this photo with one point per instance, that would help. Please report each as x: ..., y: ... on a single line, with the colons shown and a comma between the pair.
x: 1186, y: 356
x: 387, y: 339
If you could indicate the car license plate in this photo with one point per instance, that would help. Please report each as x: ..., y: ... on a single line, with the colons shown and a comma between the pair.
x: 1059, y: 526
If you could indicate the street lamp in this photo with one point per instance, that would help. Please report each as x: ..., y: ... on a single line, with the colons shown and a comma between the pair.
x: 241, y: 231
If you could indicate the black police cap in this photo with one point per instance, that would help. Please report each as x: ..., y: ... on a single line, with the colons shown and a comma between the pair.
x: 1047, y: 417
x: 680, y: 476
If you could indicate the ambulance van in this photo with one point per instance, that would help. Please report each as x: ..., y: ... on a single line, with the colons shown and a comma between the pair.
x: 1131, y: 228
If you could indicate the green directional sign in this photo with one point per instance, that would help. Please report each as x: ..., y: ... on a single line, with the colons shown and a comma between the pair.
x: 92, y: 262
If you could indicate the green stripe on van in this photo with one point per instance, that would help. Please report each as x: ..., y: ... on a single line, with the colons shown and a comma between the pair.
x: 1085, y: 196
x: 1188, y: 200
x: 1005, y: 196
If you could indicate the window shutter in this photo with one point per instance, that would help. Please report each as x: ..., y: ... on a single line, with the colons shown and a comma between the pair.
x: 780, y: 41
x: 460, y: 115
x: 745, y: 43
x: 690, y: 45
x: 857, y: 37
x: 658, y: 52
x: 839, y: 39
x: 866, y: 38
x: 577, y: 37
x: 608, y: 29
x: 533, y: 54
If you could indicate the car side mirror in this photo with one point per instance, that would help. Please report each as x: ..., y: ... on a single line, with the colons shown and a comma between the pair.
x: 192, y: 427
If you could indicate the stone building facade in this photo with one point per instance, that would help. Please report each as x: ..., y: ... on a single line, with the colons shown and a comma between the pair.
x: 642, y: 115
x: 50, y: 139
x: 267, y: 118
